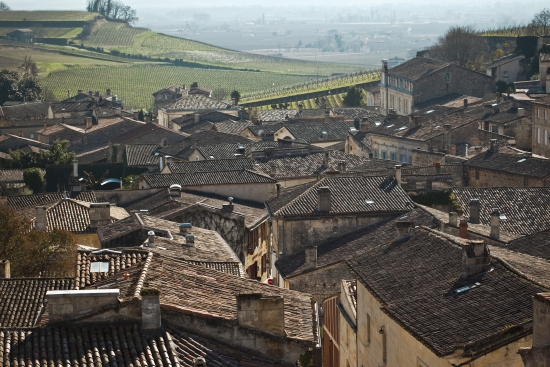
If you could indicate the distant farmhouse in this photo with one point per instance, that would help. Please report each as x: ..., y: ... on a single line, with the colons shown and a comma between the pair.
x: 21, y: 35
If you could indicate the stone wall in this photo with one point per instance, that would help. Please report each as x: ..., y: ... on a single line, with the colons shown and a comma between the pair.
x: 426, y: 158
x: 321, y: 283
x: 474, y: 177
x: 124, y: 197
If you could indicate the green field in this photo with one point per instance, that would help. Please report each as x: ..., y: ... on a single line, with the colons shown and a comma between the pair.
x: 135, y: 84
x: 333, y: 101
x: 47, y: 16
x: 123, y: 38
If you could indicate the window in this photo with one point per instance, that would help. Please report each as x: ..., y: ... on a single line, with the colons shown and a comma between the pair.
x: 99, y: 267
x: 545, y: 137
x: 403, y: 158
x: 538, y: 135
x: 505, y: 74
x: 32, y: 136
x: 384, y: 155
x: 368, y: 329
x: 375, y: 153
x: 392, y: 156
x: 264, y: 262
x: 546, y: 114
x: 538, y: 113
x: 494, y: 129
x: 477, y: 175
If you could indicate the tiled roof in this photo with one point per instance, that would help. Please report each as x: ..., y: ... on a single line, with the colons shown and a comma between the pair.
x: 26, y: 201
x: 205, y: 138
x: 29, y: 122
x: 459, y: 102
x: 21, y: 299
x: 232, y: 127
x: 348, y: 195
x: 348, y: 246
x: 276, y: 115
x: 544, y: 101
x: 9, y: 141
x: 223, y: 151
x: 351, y: 113
x: 318, y: 132
x: 191, y: 288
x: 504, y: 60
x: 71, y: 106
x: 13, y: 175
x: 513, y: 164
x: 525, y: 208
x: 501, y: 113
x: 195, y: 128
x: 212, y: 165
x: 25, y: 110
x: 120, y: 229
x: 143, y: 129
x: 264, y: 128
x: 141, y: 155
x: 313, y: 164
x: 207, y: 178
x: 421, y: 293
x: 536, y: 244
x: 417, y: 68
x: 93, y: 156
x: 197, y: 102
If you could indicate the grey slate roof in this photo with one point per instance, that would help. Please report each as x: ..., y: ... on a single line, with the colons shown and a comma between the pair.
x: 525, y: 208
x: 518, y: 164
x: 207, y: 178
x: 348, y: 195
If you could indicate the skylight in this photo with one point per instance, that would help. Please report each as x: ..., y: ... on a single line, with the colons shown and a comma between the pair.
x: 392, y: 125
x: 401, y: 128
x: 99, y: 267
x: 522, y: 160
x: 378, y: 123
x: 503, y: 217
x: 370, y: 202
x: 430, y: 111
x: 467, y: 288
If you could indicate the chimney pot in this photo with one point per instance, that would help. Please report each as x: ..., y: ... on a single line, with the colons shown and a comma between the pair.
x: 311, y: 257
x: 453, y: 219
x: 185, y: 228
x: 475, y: 210
x: 324, y: 199
x: 190, y: 239
x: 463, y: 230
x: 475, y: 258
x: 5, y: 270
x: 151, y: 238
x: 495, y: 224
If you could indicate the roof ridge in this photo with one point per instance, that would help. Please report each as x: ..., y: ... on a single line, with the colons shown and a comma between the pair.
x: 143, y: 275
x: 300, y: 195
x: 517, y: 271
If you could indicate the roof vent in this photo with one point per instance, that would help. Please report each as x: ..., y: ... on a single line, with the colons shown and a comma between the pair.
x: 174, y: 190
x: 151, y: 238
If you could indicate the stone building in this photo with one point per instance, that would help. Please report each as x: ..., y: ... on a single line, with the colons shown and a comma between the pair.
x: 21, y: 35
x: 541, y: 126
x: 506, y: 68
x: 421, y: 79
x: 538, y: 355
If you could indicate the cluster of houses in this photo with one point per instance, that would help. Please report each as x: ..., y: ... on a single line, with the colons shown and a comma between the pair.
x: 413, y: 233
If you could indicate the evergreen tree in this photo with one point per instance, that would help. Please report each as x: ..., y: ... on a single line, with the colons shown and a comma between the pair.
x: 354, y: 97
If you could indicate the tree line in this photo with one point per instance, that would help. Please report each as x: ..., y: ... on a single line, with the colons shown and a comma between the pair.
x: 113, y: 9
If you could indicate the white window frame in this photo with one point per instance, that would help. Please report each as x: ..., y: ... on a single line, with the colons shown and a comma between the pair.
x: 505, y: 74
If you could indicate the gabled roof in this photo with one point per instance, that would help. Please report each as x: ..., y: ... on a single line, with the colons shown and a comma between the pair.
x: 142, y: 130
x: 359, y: 195
x: 202, y: 138
x: 212, y: 165
x: 352, y: 113
x: 138, y: 155
x: 264, y: 128
x: 348, y: 246
x: 197, y: 102
x: 276, y: 115
x: 232, y: 127
x: 536, y: 244
x: 518, y: 164
x: 207, y: 178
x: 28, y: 201
x: 72, y: 106
x: 9, y: 141
x: 21, y: 300
x: 93, y: 156
x: 13, y: 175
x: 319, y: 132
x: 525, y: 208
x: 504, y: 60
x: 25, y: 110
x: 229, y: 151
x: 421, y: 293
x: 417, y: 68
x: 30, y: 122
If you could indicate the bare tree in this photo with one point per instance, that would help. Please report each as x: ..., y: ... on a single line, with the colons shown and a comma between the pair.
x: 4, y: 6
x: 540, y: 25
x: 38, y: 31
x: 461, y: 44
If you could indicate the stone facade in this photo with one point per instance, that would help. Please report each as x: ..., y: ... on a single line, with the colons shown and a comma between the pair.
x: 541, y: 128
x: 539, y: 354
x: 476, y: 177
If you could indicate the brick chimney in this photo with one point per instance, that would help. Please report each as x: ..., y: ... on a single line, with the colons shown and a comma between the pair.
x: 324, y: 199
x: 475, y: 210
x: 453, y: 219
x: 463, y: 230
x: 100, y: 214
x: 263, y: 313
x: 5, y: 270
x: 495, y: 224
x: 475, y: 258
x: 311, y: 257
x: 403, y: 230
x: 174, y: 191
x: 41, y: 221
x: 150, y: 309
x: 66, y: 303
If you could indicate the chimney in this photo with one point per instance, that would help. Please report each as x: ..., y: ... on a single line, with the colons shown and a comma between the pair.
x: 174, y: 191
x: 488, y: 109
x: 300, y: 107
x: 521, y: 112
x: 113, y: 98
x: 475, y: 258
x: 197, y: 118
x: 40, y: 221
x: 498, y: 98
x: 493, y: 148
x: 66, y: 303
x: 325, y: 159
x: 453, y: 219
x: 151, y: 238
x: 233, y: 102
x: 384, y: 66
x: 190, y: 240
x: 88, y: 123
x: 150, y: 309
x: 118, y: 111
x: 447, y: 134
x: 324, y: 199
x: 391, y: 174
x: 495, y: 224
x: 475, y: 210
x: 68, y: 93
x: 80, y: 91
x: 229, y: 206
x: 365, y: 125
x: 199, y: 362
x: 273, y: 168
x: 541, y: 323
x: 278, y: 186
x: 465, y: 102
x: 136, y: 115
x: 185, y: 228
x: 404, y: 230
x: 5, y: 271
x: 108, y: 92
x: 90, y: 93
x: 398, y: 173
x: 262, y: 313
x: 451, y: 149
x: 342, y: 166
x: 161, y: 162
x: 96, y: 94
x: 148, y: 117
x: 327, y: 115
x: 311, y: 257
x: 100, y: 214
x: 463, y: 230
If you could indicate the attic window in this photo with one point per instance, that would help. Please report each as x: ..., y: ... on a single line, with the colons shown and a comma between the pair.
x: 522, y: 160
x: 99, y: 267
x: 503, y: 217
x: 467, y: 288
